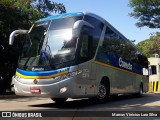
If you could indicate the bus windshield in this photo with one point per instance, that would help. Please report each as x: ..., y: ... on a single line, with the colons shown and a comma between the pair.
x: 49, y: 45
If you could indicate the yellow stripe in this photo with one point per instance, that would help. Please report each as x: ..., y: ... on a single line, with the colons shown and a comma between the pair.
x: 158, y: 86
x: 155, y: 84
x: 41, y: 77
x: 106, y: 65
x: 151, y: 86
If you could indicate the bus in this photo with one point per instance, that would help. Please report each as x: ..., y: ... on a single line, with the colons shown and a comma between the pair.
x: 78, y: 55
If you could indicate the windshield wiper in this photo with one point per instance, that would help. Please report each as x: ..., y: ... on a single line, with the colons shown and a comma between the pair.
x: 25, y: 65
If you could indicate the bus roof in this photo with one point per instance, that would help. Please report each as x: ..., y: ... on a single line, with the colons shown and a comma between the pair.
x: 60, y: 16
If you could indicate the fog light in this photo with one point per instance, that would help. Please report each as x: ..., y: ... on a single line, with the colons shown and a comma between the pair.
x: 62, y: 90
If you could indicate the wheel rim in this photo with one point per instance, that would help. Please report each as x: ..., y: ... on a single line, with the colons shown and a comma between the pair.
x: 102, y: 91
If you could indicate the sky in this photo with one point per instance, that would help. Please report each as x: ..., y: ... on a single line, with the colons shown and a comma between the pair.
x: 116, y: 12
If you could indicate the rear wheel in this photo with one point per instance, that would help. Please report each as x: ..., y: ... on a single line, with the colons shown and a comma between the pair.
x: 140, y: 90
x: 59, y: 100
x: 140, y: 93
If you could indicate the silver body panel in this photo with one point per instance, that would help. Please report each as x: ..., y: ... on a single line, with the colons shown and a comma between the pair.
x: 77, y: 87
x: 84, y: 84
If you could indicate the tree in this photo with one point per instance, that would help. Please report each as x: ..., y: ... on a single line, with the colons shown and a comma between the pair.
x: 46, y: 7
x: 147, y: 12
x: 150, y: 46
x: 144, y: 47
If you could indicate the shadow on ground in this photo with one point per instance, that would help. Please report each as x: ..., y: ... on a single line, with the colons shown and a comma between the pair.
x: 124, y: 102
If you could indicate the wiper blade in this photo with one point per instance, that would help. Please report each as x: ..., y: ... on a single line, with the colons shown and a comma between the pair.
x: 25, y: 65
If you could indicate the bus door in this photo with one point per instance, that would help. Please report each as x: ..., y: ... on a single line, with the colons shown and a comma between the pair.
x: 85, y: 56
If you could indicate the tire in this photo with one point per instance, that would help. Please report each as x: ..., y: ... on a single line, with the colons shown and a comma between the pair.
x: 103, y: 92
x: 59, y: 100
x: 140, y: 93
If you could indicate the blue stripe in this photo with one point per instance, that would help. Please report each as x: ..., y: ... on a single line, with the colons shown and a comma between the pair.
x: 41, y: 73
x: 60, y: 16
x: 113, y: 60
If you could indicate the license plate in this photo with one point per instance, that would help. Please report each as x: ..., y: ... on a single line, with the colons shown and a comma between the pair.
x: 35, y: 90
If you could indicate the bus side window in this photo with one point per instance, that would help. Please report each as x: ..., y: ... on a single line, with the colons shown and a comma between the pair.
x: 84, y: 49
x: 143, y: 61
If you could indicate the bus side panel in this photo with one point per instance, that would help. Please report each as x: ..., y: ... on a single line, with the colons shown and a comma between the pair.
x: 145, y: 83
x: 124, y: 80
x: 103, y: 71
x: 85, y: 84
x: 137, y: 82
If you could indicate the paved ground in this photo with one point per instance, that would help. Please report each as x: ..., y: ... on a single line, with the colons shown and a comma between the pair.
x: 149, y: 103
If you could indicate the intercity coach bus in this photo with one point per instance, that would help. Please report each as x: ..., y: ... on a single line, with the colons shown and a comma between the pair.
x: 78, y: 55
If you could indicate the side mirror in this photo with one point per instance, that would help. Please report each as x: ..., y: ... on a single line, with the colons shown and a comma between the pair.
x: 145, y: 71
x: 78, y: 26
x: 15, y: 33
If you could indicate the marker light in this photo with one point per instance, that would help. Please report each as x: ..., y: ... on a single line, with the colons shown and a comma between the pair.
x: 35, y: 81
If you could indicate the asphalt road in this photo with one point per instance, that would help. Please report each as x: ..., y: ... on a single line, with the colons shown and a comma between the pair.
x: 146, y: 107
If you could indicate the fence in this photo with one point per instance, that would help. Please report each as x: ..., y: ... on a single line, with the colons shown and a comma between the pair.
x: 154, y: 86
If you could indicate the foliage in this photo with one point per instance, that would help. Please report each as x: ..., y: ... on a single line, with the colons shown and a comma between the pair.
x: 150, y: 46
x: 45, y: 7
x: 144, y: 47
x: 19, y: 14
x: 147, y: 12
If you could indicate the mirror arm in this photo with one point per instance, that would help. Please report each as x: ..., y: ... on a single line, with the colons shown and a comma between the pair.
x: 14, y: 33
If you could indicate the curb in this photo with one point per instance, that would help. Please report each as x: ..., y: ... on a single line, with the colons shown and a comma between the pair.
x: 2, y: 97
x: 10, y: 96
x: 151, y: 92
x: 7, y: 96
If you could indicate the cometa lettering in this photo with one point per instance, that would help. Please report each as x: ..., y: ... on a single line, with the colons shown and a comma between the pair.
x: 124, y: 64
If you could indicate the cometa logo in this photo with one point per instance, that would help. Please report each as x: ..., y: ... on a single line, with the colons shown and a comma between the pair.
x: 37, y: 69
x: 124, y: 64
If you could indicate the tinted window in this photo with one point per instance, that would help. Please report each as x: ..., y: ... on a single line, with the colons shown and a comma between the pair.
x: 89, y: 39
x: 85, y: 46
x: 111, y: 42
x: 153, y: 70
x: 50, y: 45
x: 95, y: 32
x: 114, y: 44
x: 142, y: 60
x: 64, y: 23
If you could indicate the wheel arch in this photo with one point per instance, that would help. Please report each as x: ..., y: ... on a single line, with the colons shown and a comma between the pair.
x: 106, y: 81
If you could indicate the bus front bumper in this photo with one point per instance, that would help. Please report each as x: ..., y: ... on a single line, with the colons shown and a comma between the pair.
x: 59, y: 89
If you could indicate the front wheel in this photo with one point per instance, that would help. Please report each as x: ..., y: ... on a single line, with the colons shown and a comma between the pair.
x: 59, y: 100
x: 103, y: 93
